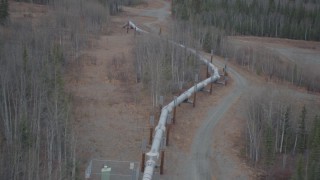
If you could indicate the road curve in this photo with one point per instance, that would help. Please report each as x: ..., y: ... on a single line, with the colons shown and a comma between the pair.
x: 199, y: 166
x: 161, y: 15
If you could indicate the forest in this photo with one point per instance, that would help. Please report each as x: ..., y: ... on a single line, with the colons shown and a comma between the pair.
x: 294, y: 19
x: 37, y: 140
x: 4, y: 11
x: 283, y: 134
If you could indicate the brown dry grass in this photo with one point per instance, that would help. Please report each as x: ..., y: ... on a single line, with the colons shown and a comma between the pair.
x: 110, y: 110
x: 314, y: 45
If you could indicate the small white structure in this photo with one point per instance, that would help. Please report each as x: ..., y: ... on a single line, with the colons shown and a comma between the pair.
x: 105, y: 173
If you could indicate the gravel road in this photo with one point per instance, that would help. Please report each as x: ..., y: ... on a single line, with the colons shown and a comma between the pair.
x: 161, y: 15
x: 199, y: 165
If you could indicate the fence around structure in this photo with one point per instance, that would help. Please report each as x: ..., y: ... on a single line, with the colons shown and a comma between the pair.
x: 120, y: 170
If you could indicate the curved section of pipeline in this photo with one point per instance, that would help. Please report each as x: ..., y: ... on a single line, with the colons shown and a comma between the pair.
x: 160, y: 129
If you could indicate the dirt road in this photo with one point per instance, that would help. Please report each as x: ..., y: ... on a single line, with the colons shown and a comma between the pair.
x: 198, y: 165
x: 161, y: 15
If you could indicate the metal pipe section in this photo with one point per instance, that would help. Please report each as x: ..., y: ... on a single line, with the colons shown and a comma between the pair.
x: 160, y: 129
x: 132, y: 25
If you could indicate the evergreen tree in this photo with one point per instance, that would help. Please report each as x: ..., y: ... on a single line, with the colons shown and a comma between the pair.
x: 269, y: 146
x: 207, y: 42
x: 272, y: 6
x: 25, y: 59
x: 286, y: 128
x: 302, y: 131
x: 299, y: 172
x: 294, y: 74
x: 314, y: 162
x: 4, y: 8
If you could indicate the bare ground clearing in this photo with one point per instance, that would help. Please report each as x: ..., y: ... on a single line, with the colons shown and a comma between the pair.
x: 110, y: 109
x: 298, y: 51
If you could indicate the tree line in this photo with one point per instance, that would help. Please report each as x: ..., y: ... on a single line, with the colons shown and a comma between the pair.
x: 4, y: 11
x: 114, y: 6
x: 216, y: 19
x: 283, y: 136
x: 264, y: 62
x: 294, y: 19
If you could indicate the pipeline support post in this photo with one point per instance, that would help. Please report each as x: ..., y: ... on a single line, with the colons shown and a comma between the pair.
x: 174, y: 110
x: 160, y: 105
x: 150, y: 136
x: 211, y: 84
x: 194, y: 99
x: 162, y: 162
x: 207, y: 74
x: 160, y: 109
x: 225, y: 75
x: 143, y: 159
x: 195, y: 90
x: 151, y: 122
x: 180, y: 90
x: 174, y: 115
x: 194, y: 96
x: 168, y: 133
x: 168, y: 127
